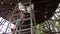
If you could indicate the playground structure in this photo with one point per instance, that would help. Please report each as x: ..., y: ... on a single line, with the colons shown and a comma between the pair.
x: 25, y: 15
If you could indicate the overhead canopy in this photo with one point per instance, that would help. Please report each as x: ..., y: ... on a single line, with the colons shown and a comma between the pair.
x: 6, y: 7
x: 44, y: 9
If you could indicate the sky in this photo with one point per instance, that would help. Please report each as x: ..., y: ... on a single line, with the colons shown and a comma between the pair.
x: 3, y: 26
x: 56, y: 15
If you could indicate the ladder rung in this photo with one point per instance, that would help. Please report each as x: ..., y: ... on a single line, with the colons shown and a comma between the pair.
x: 26, y: 32
x: 25, y: 29
x: 25, y: 25
x: 26, y: 19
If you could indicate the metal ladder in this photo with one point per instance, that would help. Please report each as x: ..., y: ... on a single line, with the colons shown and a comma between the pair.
x: 26, y: 27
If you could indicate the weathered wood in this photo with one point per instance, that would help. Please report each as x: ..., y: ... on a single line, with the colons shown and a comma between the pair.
x: 7, y: 7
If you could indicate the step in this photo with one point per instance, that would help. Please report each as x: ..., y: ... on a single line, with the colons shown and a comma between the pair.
x: 27, y: 19
x: 25, y: 25
x: 27, y: 15
x: 25, y: 32
x: 25, y: 29
x: 26, y: 22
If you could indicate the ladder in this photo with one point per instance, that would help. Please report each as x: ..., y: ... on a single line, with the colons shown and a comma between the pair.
x: 26, y: 27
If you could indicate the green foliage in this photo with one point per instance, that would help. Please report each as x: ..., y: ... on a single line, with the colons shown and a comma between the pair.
x: 41, y: 28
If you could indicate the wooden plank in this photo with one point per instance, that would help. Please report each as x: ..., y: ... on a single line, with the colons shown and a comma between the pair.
x: 25, y: 29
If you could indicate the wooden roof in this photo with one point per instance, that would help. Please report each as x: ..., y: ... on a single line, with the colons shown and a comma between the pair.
x: 6, y: 7
x: 44, y: 8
